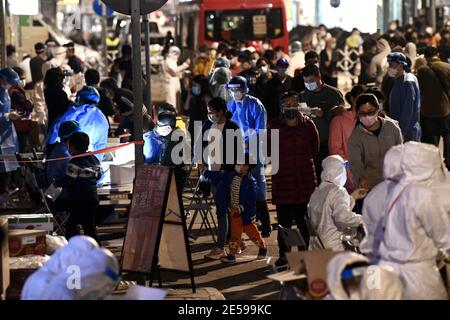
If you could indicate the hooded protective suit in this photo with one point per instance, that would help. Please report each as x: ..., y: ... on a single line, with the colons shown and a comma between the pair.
x: 218, y: 82
x: 9, y: 143
x: 329, y: 207
x: 377, y: 68
x: 78, y: 271
x: 171, y: 74
x: 416, y: 224
x: 375, y: 204
x: 376, y: 282
x: 92, y: 122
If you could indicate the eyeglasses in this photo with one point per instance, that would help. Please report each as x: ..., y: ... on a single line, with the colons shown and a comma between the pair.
x: 367, y: 114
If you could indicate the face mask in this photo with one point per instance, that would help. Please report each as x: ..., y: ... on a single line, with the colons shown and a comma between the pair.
x: 196, y: 91
x: 163, y: 131
x: 263, y: 70
x: 213, y: 53
x: 213, y: 118
x: 392, y: 72
x: 311, y: 86
x: 368, y: 121
x: 254, y: 63
x: 203, y: 55
x: 291, y: 113
x: 381, y: 106
x: 282, y: 72
x: 237, y: 95
x: 23, y: 83
x: 265, y: 46
x: 237, y: 168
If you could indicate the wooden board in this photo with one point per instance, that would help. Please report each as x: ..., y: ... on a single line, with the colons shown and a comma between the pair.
x: 145, y: 216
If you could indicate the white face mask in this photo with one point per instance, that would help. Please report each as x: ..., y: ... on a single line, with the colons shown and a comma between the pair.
x: 392, y: 72
x: 237, y: 168
x: 311, y: 86
x: 263, y: 70
x: 213, y: 118
x: 368, y: 121
x: 163, y: 131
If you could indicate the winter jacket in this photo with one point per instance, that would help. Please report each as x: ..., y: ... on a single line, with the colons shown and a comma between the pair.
x: 404, y: 106
x: 366, y: 151
x: 247, y: 194
x: 341, y: 127
x: 296, y: 178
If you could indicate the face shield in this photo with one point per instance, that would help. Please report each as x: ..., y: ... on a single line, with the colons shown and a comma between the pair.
x: 163, y: 130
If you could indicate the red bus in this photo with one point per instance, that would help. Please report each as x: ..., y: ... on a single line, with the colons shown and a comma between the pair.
x: 202, y: 22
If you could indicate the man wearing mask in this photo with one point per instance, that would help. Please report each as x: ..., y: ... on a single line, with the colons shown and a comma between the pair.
x: 298, y: 83
x: 264, y: 75
x: 328, y: 61
x: 404, y: 99
x: 37, y: 62
x: 249, y: 113
x: 278, y: 85
x: 296, y: 178
x: 323, y: 99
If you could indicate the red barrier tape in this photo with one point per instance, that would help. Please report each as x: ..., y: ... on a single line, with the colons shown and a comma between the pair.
x: 105, y: 150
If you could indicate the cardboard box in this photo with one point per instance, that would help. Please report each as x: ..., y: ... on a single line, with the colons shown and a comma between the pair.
x: 42, y: 221
x: 313, y: 264
x: 122, y: 174
x: 26, y: 242
x: 4, y: 258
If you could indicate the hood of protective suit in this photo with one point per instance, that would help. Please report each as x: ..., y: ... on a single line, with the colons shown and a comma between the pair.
x: 383, y: 46
x: 392, y: 169
x: 334, y: 170
x: 79, y: 270
x: 174, y: 52
x: 221, y: 76
x: 381, y: 283
x: 422, y: 162
x: 334, y: 271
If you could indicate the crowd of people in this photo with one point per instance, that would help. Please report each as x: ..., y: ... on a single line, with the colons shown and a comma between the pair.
x: 332, y: 148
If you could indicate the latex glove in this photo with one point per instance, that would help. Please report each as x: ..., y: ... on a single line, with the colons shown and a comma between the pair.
x: 359, y: 193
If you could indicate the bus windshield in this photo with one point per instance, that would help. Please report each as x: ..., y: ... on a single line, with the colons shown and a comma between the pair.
x: 251, y: 24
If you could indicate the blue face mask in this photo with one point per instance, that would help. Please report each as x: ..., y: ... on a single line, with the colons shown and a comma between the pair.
x: 196, y: 91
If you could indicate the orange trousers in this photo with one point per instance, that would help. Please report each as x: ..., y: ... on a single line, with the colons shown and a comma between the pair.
x: 238, y: 228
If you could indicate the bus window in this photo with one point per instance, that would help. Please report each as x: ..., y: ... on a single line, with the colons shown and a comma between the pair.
x: 252, y: 24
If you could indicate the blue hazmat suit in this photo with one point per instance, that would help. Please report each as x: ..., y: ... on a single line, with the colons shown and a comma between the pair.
x: 153, y: 147
x: 56, y: 170
x: 9, y: 143
x: 92, y: 122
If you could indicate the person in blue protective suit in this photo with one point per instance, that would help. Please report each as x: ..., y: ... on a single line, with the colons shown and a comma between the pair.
x: 56, y: 170
x: 251, y: 116
x: 9, y: 143
x: 158, y: 146
x: 91, y: 119
x: 404, y: 99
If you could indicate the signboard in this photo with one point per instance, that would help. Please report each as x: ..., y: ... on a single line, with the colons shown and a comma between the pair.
x: 156, y: 231
x: 124, y: 7
x: 259, y: 25
x: 24, y: 7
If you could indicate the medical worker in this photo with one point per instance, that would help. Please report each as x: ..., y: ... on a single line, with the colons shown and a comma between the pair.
x: 375, y: 204
x: 91, y: 119
x: 97, y: 270
x: 416, y: 227
x: 330, y: 206
x: 9, y: 143
x: 250, y: 114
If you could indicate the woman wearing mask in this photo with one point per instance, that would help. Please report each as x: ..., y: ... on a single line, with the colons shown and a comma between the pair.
x: 370, y: 140
x: 217, y: 130
x: 296, y: 178
x: 195, y: 104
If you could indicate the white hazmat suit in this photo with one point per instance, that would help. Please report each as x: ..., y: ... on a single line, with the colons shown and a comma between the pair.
x: 171, y: 74
x: 329, y: 208
x: 416, y: 226
x: 78, y: 271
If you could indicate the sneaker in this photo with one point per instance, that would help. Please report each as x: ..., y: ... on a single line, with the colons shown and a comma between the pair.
x: 281, y: 262
x: 230, y: 258
x: 242, y: 247
x: 216, y: 254
x: 262, y: 253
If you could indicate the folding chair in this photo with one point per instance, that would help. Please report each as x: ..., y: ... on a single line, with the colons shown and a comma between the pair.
x: 200, y: 205
x: 292, y: 237
x: 312, y: 231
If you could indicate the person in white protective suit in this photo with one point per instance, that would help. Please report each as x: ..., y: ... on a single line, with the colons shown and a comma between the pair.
x: 171, y: 74
x: 330, y: 206
x: 350, y: 277
x: 375, y: 204
x: 415, y: 228
x: 81, y: 270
